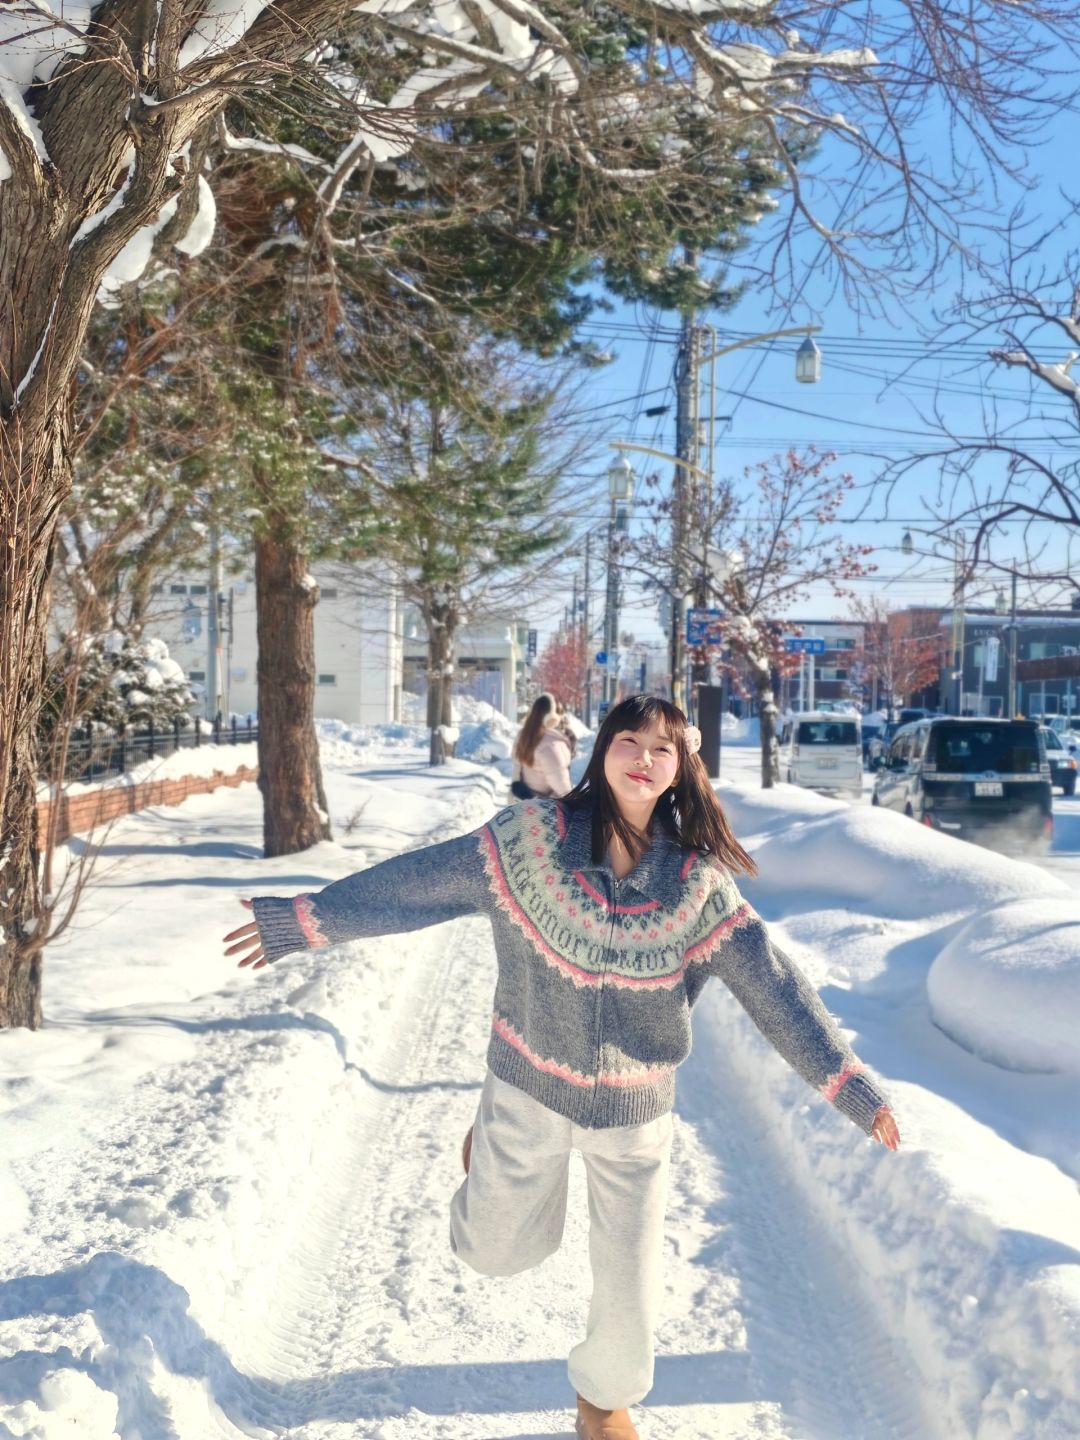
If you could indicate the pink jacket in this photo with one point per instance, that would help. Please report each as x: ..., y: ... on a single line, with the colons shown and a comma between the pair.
x: 549, y: 774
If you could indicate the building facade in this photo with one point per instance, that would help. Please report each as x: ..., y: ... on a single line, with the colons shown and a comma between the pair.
x: 1050, y: 637
x: 370, y: 647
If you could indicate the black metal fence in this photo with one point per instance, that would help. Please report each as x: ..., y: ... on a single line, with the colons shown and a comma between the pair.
x: 99, y: 754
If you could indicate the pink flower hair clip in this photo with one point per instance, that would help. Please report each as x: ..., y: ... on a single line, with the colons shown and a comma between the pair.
x: 692, y: 738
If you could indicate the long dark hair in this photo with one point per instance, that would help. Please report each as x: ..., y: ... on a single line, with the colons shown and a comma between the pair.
x: 533, y: 728
x: 688, y: 811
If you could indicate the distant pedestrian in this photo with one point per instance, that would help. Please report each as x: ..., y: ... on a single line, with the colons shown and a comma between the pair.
x: 541, y: 754
x: 611, y: 909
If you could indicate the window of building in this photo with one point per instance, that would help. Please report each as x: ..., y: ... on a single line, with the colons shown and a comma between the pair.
x: 327, y: 679
x: 177, y: 589
x: 1044, y: 650
x: 157, y: 589
x: 327, y: 592
x: 196, y: 589
x: 196, y: 674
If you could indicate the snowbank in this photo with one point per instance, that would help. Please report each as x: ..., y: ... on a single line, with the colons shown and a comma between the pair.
x: 199, y: 761
x: 1007, y: 986
x: 969, y: 1235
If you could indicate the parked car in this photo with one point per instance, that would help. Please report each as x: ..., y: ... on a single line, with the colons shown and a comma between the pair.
x: 824, y: 752
x: 978, y: 779
x: 1064, y: 727
x: 879, y: 742
x: 1063, y: 765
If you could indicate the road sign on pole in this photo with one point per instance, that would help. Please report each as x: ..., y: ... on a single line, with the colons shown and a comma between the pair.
x: 804, y: 645
x: 703, y: 627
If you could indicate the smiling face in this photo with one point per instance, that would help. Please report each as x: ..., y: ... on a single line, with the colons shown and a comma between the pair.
x: 638, y: 767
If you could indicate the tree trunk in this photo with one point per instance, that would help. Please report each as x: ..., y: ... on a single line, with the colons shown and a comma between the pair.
x: 442, y: 621
x: 770, y: 751
x: 35, y: 478
x: 290, y: 776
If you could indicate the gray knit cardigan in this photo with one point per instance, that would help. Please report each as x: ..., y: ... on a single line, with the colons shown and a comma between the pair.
x: 596, y: 976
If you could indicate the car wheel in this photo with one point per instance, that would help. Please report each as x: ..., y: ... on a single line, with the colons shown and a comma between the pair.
x: 1069, y: 788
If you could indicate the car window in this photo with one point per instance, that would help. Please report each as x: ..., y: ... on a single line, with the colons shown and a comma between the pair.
x: 918, y: 744
x: 1052, y: 740
x: 971, y: 749
x: 828, y: 732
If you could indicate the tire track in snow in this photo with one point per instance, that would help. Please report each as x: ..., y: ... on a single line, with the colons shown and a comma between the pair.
x: 816, y: 1343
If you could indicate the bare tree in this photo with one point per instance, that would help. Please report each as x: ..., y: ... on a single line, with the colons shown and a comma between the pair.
x: 1006, y: 492
x: 755, y: 569
x: 899, y: 654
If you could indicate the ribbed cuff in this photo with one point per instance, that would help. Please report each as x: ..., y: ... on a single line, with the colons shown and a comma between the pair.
x: 279, y: 929
x: 860, y: 1100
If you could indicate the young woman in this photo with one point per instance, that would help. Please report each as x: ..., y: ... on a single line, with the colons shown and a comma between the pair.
x: 610, y: 909
x: 542, y: 752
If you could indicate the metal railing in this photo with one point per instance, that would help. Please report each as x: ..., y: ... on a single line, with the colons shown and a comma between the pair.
x: 101, y: 754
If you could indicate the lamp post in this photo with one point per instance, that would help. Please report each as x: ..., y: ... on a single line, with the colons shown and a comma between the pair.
x: 956, y: 539
x: 621, y: 491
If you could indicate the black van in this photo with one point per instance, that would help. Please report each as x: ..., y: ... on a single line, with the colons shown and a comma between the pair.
x: 977, y: 779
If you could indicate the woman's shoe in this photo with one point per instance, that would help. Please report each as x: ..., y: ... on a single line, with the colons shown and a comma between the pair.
x: 596, y: 1424
x: 466, y: 1150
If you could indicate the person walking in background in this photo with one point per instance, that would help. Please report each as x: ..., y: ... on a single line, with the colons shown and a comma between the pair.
x: 611, y: 910
x: 541, y: 753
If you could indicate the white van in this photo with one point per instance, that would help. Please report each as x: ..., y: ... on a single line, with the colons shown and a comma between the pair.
x: 824, y: 752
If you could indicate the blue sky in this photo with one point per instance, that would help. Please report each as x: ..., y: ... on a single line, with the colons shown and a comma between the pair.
x: 882, y: 379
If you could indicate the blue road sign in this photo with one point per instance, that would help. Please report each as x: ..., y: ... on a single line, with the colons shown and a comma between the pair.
x: 703, y: 627
x: 804, y: 645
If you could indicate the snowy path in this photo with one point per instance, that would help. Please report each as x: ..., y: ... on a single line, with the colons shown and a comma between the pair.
x: 229, y: 1193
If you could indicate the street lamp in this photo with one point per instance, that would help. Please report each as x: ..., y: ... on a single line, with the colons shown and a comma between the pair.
x: 621, y: 491
x: 1001, y: 602
x: 956, y: 539
x: 808, y: 362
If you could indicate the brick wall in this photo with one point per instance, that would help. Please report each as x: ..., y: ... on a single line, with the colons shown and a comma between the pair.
x: 83, y: 811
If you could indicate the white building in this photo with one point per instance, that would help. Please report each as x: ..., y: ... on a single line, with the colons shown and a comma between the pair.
x: 358, y: 644
x: 370, y: 648
x: 491, y: 660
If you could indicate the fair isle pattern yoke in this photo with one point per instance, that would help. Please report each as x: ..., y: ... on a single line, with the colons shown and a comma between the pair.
x: 577, y: 930
x: 597, y: 976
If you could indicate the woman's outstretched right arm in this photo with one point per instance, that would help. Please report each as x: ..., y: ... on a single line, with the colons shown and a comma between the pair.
x: 408, y: 892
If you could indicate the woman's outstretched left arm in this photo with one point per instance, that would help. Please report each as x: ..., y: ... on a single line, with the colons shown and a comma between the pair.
x: 789, y: 1012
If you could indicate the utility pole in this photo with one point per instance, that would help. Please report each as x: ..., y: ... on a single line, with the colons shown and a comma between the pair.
x: 687, y: 437
x: 588, y: 640
x: 213, y: 628
x: 958, y: 619
x: 1014, y: 707
x: 611, y: 614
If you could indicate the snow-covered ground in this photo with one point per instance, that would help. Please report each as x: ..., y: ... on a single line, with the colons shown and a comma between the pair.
x: 225, y: 1195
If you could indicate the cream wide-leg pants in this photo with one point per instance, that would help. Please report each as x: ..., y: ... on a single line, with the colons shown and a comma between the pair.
x: 509, y: 1214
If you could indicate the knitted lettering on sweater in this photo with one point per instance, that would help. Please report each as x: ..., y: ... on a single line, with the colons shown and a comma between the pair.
x: 596, y: 976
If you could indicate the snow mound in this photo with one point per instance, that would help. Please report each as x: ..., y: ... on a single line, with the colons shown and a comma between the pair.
x: 488, y: 740
x: 69, y: 1406
x: 872, y: 858
x: 1007, y: 986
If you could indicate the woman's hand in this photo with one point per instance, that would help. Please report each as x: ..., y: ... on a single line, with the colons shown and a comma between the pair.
x: 885, y: 1128
x: 248, y: 941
